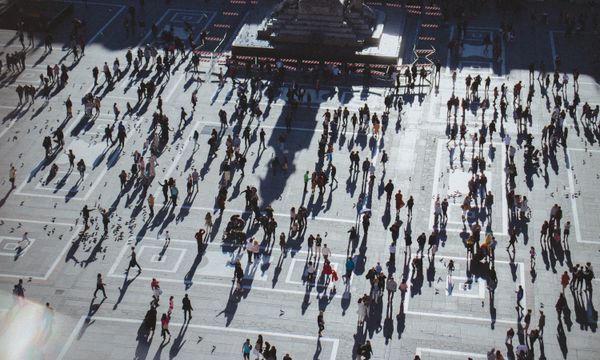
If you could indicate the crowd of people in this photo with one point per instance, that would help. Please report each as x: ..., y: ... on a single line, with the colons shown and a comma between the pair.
x: 477, y: 208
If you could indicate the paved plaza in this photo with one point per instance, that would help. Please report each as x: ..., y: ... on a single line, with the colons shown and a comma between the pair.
x: 456, y: 304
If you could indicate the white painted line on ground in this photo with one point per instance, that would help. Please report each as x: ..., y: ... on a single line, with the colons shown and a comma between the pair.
x: 319, y: 218
x: 181, y: 77
x: 12, y: 122
x: 463, y: 317
x: 62, y: 253
x: 334, y: 341
x: 178, y: 156
x: 182, y: 252
x: 217, y: 244
x: 584, y: 149
x: 95, y: 184
x: 59, y: 257
x: 12, y: 251
x: 71, y: 338
x: 461, y: 354
x: 504, y: 200
x: 436, y: 175
x: 113, y: 268
x: 101, y: 31
x: 36, y: 221
x: 576, y: 223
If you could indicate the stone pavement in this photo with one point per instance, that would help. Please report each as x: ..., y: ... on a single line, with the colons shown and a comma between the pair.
x: 442, y: 316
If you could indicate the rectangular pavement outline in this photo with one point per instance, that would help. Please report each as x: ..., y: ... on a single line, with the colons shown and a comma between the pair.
x: 177, y: 264
x: 573, y: 199
x: 23, y: 252
x: 87, y: 195
x: 60, y: 256
x: 288, y: 278
x: 461, y: 317
x: 461, y: 354
x: 72, y: 337
x: 434, y: 191
x: 127, y: 245
x: 93, y: 187
x: 90, y: 41
x: 480, y: 284
x: 12, y: 122
x: 209, y: 20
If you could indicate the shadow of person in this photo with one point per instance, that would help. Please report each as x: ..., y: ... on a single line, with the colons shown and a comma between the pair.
x: 401, y: 320
x: 178, y: 342
x: 318, y: 349
x: 143, y: 341
x: 124, y: 287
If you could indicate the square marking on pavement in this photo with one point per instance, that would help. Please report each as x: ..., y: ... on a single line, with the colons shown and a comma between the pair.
x: 155, y: 257
x: 9, y: 244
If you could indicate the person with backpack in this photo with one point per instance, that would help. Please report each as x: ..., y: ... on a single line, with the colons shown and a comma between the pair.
x: 246, y: 349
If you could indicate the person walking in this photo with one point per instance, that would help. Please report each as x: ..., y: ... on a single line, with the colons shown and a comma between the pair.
x: 187, y: 308
x: 321, y: 323
x: 164, y: 326
x: 389, y: 190
x: 246, y: 349
x: 133, y: 261
x: 307, y: 178
x: 100, y: 286
x: 105, y: 220
x: 392, y: 286
x: 520, y: 293
x: 349, y: 269
x: 19, y: 290
x: 541, y: 323
x: 151, y: 205
x: 527, y: 321
x: 565, y: 280
x: 200, y: 239
x: 12, y: 175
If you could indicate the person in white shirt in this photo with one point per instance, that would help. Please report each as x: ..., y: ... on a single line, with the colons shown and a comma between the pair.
x: 326, y: 252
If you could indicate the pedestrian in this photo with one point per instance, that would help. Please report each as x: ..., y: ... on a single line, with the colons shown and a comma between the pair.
x: 164, y: 326
x: 200, y: 239
x: 12, y: 175
x: 541, y: 323
x: 321, y: 323
x: 389, y: 189
x: 520, y: 293
x: 326, y: 252
x: 399, y: 202
x: 187, y: 308
x: 366, y: 350
x: 105, y: 220
x: 282, y: 243
x: 527, y: 321
x: 133, y: 261
x: 171, y: 306
x: 565, y: 280
x: 349, y: 269
x: 151, y: 205
x: 100, y: 286
x: 392, y: 286
x: 71, y: 157
x: 409, y: 205
x: 19, y: 290
x: 510, y: 333
x: 246, y: 349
